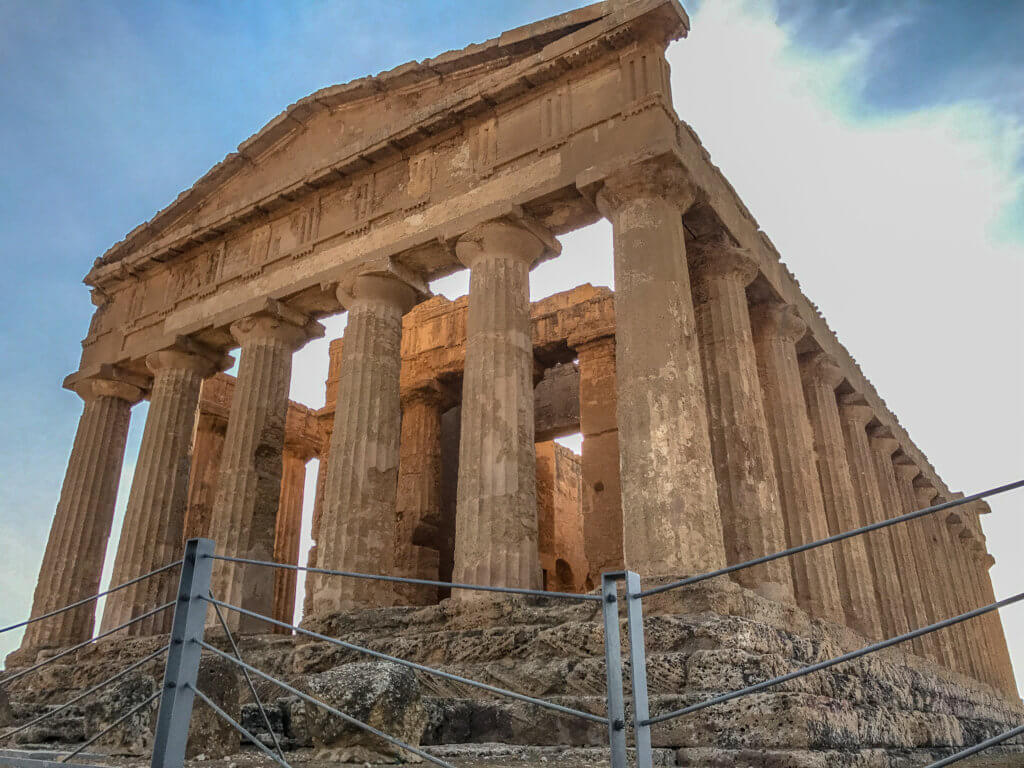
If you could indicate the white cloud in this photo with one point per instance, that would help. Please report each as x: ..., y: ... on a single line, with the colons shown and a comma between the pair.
x: 892, y: 225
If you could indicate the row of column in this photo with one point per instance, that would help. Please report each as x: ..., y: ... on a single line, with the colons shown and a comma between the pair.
x: 730, y: 444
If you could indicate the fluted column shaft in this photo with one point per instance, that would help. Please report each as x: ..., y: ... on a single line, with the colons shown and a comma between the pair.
x: 855, y: 417
x: 882, y: 449
x: 748, y: 494
x: 777, y: 328
x: 419, y: 496
x: 821, y: 376
x: 249, y: 482
x: 287, y: 531
x: 954, y: 639
x: 981, y: 626
x: 73, y: 560
x: 930, y: 570
x: 599, y: 465
x: 671, y: 519
x: 154, y: 520
x: 357, y: 526
x: 963, y: 593
x: 496, y: 509
x: 1004, y: 667
x: 207, y: 447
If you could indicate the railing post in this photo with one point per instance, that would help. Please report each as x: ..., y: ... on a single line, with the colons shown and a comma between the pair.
x: 183, y: 657
x: 613, y: 668
x: 638, y: 670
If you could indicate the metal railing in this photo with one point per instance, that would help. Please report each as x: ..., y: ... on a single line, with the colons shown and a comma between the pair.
x: 8, y: 679
x: 186, y: 645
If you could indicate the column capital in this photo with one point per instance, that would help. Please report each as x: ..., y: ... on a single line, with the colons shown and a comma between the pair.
x: 779, y: 322
x: 108, y: 386
x: 905, y: 468
x: 603, y: 339
x: 517, y: 240
x: 821, y: 367
x: 853, y: 408
x: 380, y: 289
x: 883, y: 441
x: 924, y: 492
x: 431, y: 393
x: 718, y: 259
x: 204, y: 365
x: 658, y: 178
x: 277, y: 322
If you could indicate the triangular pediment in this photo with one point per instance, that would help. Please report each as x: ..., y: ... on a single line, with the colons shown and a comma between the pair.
x: 343, y: 129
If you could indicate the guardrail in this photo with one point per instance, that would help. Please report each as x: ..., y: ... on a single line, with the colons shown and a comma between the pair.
x: 186, y: 644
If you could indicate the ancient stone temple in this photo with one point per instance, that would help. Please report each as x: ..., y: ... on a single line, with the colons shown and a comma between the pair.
x: 721, y: 417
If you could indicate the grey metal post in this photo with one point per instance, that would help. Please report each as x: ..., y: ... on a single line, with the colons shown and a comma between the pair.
x: 638, y: 670
x: 183, y: 657
x: 613, y: 668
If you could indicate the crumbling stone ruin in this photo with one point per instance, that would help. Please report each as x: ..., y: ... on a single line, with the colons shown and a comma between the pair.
x: 721, y: 419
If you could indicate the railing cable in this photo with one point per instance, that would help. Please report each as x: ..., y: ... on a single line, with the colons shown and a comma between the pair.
x: 89, y: 599
x: 403, y: 580
x: 993, y: 742
x: 327, y: 707
x: 263, y: 747
x: 413, y: 665
x: 829, y: 540
x: 252, y: 688
x: 873, y: 648
x: 84, y: 643
x: 109, y: 728
x: 87, y: 693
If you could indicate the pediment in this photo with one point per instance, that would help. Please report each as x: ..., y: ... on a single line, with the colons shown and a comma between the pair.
x: 344, y: 129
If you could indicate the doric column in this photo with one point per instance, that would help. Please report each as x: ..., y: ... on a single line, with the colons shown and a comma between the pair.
x: 73, y: 560
x: 821, y: 376
x: 287, y: 531
x: 984, y: 637
x: 207, y: 447
x: 748, y: 493
x: 419, y: 495
x: 777, y: 329
x: 855, y: 417
x: 154, y: 520
x: 883, y: 446
x: 671, y: 520
x: 496, y: 511
x: 357, y: 525
x: 958, y: 561
x: 930, y: 570
x: 602, y: 494
x: 1003, y: 667
x: 249, y: 484
x: 956, y: 646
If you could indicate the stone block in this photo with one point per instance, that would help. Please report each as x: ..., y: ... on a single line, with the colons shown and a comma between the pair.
x: 383, y: 695
x: 134, y: 737
x: 209, y: 734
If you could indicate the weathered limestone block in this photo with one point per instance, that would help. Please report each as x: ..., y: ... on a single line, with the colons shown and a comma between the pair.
x: 135, y: 735
x: 249, y: 483
x: 383, y: 695
x: 601, y: 489
x: 496, y: 516
x: 209, y: 734
x: 73, y: 560
x: 748, y: 494
x: 855, y: 417
x: 671, y: 524
x: 883, y: 446
x: 777, y: 328
x: 154, y: 519
x: 820, y: 377
x: 556, y: 403
x: 357, y: 527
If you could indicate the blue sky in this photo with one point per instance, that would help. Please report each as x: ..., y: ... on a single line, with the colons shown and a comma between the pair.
x: 879, y: 144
